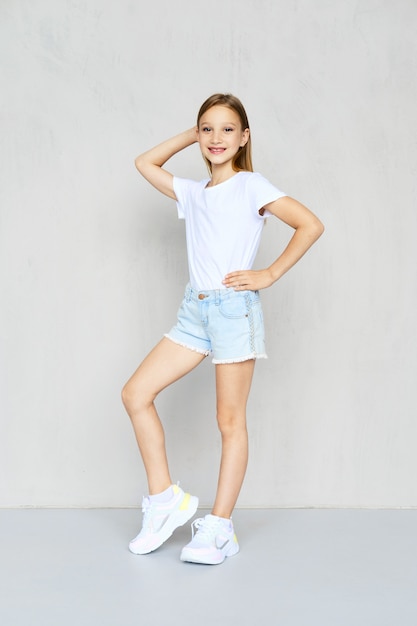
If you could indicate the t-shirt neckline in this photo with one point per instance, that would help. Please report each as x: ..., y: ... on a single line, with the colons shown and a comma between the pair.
x: 223, y: 182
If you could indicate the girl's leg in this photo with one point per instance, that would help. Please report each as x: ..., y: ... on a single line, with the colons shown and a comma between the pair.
x: 233, y: 382
x: 165, y: 364
x: 214, y: 538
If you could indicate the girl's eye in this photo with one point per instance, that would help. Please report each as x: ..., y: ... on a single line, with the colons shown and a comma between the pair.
x: 205, y: 129
x: 228, y: 130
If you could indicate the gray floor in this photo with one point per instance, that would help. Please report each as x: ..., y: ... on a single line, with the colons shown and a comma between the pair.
x: 295, y: 568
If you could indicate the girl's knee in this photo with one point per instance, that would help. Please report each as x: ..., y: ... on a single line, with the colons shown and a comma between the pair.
x: 134, y: 398
x: 231, y: 423
x: 127, y: 396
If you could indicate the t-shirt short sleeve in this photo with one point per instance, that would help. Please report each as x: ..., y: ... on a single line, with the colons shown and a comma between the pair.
x: 184, y: 189
x: 263, y: 192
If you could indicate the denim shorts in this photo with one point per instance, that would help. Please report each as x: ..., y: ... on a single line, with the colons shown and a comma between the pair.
x: 225, y: 323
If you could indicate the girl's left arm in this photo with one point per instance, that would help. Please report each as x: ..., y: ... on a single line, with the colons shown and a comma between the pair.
x: 308, y: 229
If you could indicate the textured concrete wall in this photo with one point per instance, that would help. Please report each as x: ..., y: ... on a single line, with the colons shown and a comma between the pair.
x: 92, y: 259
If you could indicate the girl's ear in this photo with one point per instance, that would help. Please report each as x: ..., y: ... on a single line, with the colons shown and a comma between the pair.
x: 245, y: 137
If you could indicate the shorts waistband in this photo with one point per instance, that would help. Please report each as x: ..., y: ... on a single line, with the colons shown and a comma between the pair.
x: 211, y: 295
x: 216, y: 295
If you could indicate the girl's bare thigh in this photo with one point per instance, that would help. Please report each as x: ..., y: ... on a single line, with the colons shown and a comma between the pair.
x: 165, y: 364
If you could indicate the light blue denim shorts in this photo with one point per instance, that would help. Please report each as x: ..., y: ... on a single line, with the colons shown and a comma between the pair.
x: 225, y: 323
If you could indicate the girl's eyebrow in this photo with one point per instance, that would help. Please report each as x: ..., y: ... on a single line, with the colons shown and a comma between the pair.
x: 203, y: 123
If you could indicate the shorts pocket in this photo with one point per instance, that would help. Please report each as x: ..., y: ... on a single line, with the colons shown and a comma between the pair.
x: 234, y: 308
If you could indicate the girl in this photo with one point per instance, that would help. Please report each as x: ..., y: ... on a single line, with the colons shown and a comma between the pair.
x: 220, y: 315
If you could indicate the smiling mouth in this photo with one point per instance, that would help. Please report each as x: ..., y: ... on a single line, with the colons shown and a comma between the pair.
x: 217, y: 150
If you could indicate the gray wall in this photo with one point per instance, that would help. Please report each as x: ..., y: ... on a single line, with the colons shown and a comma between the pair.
x: 92, y: 259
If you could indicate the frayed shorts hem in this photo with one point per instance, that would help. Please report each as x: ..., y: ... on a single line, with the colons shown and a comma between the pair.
x: 240, y: 359
x: 203, y: 352
x: 184, y: 345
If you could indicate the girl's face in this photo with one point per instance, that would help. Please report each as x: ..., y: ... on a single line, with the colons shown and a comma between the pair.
x: 220, y: 135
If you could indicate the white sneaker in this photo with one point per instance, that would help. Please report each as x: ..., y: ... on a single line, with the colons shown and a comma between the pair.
x: 161, y: 519
x: 213, y: 539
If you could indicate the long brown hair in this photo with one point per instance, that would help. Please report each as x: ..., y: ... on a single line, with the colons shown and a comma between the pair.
x: 242, y: 161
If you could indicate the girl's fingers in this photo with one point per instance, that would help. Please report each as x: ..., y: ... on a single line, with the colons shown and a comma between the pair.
x: 250, y: 279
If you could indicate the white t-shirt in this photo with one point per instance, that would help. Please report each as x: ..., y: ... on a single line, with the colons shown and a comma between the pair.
x: 223, y: 225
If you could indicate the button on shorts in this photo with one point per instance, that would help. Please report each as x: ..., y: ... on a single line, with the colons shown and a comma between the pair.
x: 225, y: 323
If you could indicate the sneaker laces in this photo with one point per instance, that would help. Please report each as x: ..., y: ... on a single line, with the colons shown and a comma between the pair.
x: 146, y: 512
x: 205, y: 528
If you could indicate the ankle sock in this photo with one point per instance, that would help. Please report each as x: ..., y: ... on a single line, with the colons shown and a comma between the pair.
x: 225, y: 520
x: 164, y: 496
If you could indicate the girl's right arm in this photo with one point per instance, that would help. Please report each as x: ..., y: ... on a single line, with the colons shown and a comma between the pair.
x: 150, y: 163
